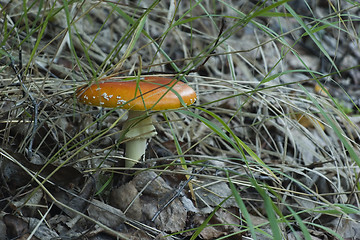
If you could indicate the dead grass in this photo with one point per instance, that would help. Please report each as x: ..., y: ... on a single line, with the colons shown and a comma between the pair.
x: 291, y: 152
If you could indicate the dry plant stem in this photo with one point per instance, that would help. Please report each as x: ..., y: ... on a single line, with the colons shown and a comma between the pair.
x: 107, y: 229
x: 19, y: 75
x: 176, y: 194
x: 140, y: 130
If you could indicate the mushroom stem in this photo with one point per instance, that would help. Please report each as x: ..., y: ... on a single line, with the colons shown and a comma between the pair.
x: 140, y: 129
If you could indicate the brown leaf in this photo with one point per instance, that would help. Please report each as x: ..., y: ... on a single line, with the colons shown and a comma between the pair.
x: 64, y: 176
x: 42, y: 140
x: 214, y: 194
x: 150, y: 183
x: 307, y: 121
x: 171, y: 219
x: 125, y: 195
x: 15, y: 226
x: 106, y: 214
x: 78, y: 202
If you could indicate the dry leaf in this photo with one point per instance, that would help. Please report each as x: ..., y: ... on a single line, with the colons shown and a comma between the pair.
x: 319, y: 90
x: 125, y: 195
x: 106, y: 214
x: 43, y: 232
x: 65, y: 176
x: 15, y: 226
x: 307, y: 121
x: 148, y: 182
x: 214, y: 194
x: 171, y: 219
x: 79, y: 201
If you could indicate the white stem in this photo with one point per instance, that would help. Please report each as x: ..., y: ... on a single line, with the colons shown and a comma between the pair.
x: 141, y: 129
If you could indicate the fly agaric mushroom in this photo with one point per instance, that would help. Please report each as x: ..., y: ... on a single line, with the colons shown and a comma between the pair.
x: 149, y: 93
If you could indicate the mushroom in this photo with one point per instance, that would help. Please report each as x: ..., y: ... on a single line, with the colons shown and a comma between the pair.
x: 139, y: 97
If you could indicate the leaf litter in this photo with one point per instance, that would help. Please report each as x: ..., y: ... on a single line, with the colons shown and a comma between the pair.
x: 75, y: 151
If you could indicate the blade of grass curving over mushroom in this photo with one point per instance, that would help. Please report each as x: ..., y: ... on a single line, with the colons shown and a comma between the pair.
x: 132, y: 21
x: 139, y: 27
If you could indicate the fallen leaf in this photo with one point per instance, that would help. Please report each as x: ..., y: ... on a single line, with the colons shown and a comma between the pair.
x: 307, y: 121
x: 318, y: 89
x: 106, y: 214
x: 15, y: 226
x: 214, y: 193
x: 124, y: 196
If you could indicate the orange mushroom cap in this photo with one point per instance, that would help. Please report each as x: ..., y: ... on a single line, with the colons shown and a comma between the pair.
x: 155, y: 93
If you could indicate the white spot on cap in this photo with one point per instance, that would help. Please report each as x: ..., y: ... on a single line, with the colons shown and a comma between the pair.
x: 86, y: 97
x: 102, y: 103
x: 104, y: 95
x: 98, y: 89
x: 120, y: 102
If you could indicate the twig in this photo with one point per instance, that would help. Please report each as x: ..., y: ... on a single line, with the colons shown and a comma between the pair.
x: 26, y: 92
x: 215, y: 46
x: 176, y: 194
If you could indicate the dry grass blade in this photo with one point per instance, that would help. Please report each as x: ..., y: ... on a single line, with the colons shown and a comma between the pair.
x: 269, y: 150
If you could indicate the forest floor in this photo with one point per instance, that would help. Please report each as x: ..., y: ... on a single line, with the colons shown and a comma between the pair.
x: 270, y: 148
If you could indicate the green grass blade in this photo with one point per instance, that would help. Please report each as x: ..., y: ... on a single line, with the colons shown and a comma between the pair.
x: 177, y: 144
x: 216, y: 129
x: 302, y: 225
x: 334, y: 127
x: 311, y: 34
x: 266, y: 11
x: 270, y: 210
x: 328, y: 230
x: 242, y: 208
x: 207, y: 220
